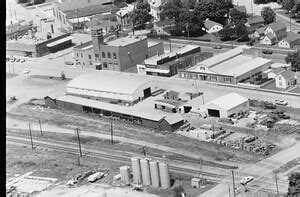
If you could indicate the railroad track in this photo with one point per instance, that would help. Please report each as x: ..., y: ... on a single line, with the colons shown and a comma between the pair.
x: 58, y: 146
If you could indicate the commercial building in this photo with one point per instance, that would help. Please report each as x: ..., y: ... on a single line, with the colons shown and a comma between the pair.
x: 123, y: 87
x: 227, y: 105
x: 118, y: 54
x: 34, y: 46
x: 229, y: 67
x: 75, y: 13
x: 167, y: 64
x: 84, y: 54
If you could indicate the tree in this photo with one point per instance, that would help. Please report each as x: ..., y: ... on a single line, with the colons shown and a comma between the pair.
x: 237, y: 16
x: 143, y: 6
x: 227, y: 32
x: 294, y: 59
x: 140, y: 16
x: 294, y: 184
x: 268, y: 14
x: 288, y: 4
x: 177, y: 191
x: 171, y: 10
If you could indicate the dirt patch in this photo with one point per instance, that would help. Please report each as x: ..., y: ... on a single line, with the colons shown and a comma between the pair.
x: 63, y: 118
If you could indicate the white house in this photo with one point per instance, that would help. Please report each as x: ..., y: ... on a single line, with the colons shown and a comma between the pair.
x: 268, y: 39
x: 212, y: 27
x: 227, y: 105
x: 272, y: 72
x: 155, y: 8
x: 285, y: 79
x: 278, y: 30
x: 290, y: 41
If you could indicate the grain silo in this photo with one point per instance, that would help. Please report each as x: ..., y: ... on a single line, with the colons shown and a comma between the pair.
x: 125, y: 175
x: 136, y: 170
x: 145, y: 172
x: 164, y: 175
x: 154, y: 172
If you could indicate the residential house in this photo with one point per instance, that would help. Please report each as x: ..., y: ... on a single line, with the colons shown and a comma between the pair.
x: 272, y: 72
x: 290, y: 41
x: 123, y: 16
x: 255, y: 21
x: 285, y: 79
x: 155, y: 8
x: 268, y: 39
x: 278, y: 29
x: 258, y: 33
x: 211, y: 26
x: 160, y: 25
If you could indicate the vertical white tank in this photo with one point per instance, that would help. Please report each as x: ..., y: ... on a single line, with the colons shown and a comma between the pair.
x: 125, y: 175
x: 136, y: 170
x: 145, y: 172
x: 164, y: 175
x: 154, y: 172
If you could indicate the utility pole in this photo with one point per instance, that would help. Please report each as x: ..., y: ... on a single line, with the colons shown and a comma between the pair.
x: 233, y: 183
x: 290, y: 20
x: 30, y: 135
x: 229, y: 191
x: 213, y: 128
x: 276, y: 178
x: 77, y: 131
x: 40, y: 127
x: 170, y: 45
x: 111, y: 133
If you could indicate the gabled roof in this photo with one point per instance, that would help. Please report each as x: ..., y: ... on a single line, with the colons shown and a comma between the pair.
x: 165, y: 22
x: 287, y: 74
x: 228, y: 101
x: 261, y: 30
x: 172, y: 119
x: 209, y: 24
x: 270, y: 36
x: 291, y: 37
x: 255, y: 19
x: 276, y: 26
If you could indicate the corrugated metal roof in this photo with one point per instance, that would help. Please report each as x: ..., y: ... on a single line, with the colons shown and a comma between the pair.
x: 228, y: 101
x: 110, y: 81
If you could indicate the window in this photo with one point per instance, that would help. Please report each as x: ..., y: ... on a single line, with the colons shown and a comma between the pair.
x: 104, y: 65
x: 90, y: 57
x: 103, y: 55
x: 77, y: 54
x: 213, y: 78
x: 81, y: 54
x: 108, y: 55
x: 227, y: 79
x: 280, y: 83
x: 97, y: 55
x: 114, y: 55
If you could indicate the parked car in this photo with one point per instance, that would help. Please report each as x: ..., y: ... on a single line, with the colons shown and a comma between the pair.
x: 12, y: 59
x: 246, y: 180
x: 95, y: 176
x: 267, y: 51
x: 217, y: 47
x: 22, y: 61
x: 26, y: 71
x: 281, y: 102
x: 69, y: 63
x: 18, y: 60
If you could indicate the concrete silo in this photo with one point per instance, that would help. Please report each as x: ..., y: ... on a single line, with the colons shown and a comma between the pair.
x: 136, y: 170
x: 145, y: 172
x: 164, y: 175
x: 154, y: 172
x: 125, y: 175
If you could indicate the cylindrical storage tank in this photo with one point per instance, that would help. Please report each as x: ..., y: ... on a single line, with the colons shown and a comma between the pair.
x: 145, y: 172
x: 136, y: 170
x: 164, y: 175
x: 125, y: 175
x: 154, y: 172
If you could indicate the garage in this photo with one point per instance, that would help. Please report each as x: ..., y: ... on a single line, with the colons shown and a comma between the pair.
x: 213, y: 112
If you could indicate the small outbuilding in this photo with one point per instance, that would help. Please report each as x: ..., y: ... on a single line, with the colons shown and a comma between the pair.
x: 227, y: 105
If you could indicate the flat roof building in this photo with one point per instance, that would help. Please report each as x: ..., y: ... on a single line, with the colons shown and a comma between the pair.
x: 229, y: 67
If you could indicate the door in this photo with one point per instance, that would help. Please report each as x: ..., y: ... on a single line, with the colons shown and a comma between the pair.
x: 147, y: 92
x: 213, y: 112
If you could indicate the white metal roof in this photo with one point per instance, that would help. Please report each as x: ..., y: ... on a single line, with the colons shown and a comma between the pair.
x: 228, y: 101
x: 172, y: 119
x: 109, y: 81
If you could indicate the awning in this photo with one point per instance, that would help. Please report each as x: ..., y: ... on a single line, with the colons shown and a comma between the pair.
x: 157, y: 70
x: 79, y: 20
x: 57, y: 42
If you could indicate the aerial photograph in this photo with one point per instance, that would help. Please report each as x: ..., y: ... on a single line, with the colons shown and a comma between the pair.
x: 152, y: 98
